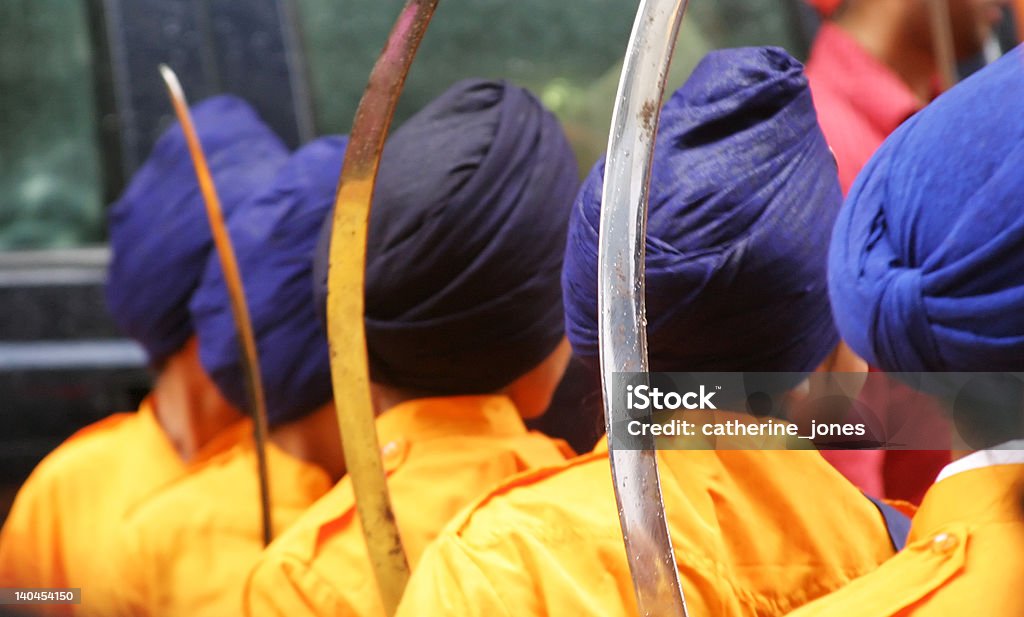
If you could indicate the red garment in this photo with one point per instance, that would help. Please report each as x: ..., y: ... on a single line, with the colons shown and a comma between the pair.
x: 825, y: 7
x: 860, y: 101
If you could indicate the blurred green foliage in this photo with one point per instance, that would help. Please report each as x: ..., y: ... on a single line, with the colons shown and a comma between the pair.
x: 568, y: 52
x: 50, y: 184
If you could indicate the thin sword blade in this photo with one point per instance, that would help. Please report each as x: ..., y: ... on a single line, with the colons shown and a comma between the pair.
x: 236, y: 292
x: 346, y: 270
x: 622, y: 321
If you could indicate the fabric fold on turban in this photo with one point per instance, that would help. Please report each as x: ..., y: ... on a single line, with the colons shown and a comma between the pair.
x: 274, y: 235
x: 743, y: 197
x: 466, y: 239
x: 159, y: 235
x: 927, y: 258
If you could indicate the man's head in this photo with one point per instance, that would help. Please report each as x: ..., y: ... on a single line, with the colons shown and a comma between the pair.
x: 274, y: 235
x: 970, y: 21
x: 926, y: 264
x: 465, y: 246
x: 743, y: 195
x: 159, y: 236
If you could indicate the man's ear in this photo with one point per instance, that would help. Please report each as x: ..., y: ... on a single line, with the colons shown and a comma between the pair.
x: 798, y: 394
x: 844, y: 360
x: 532, y: 392
x: 843, y: 373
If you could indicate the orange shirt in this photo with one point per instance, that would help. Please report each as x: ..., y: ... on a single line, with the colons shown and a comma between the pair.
x: 964, y: 555
x: 187, y: 551
x: 439, y: 454
x: 755, y: 533
x: 64, y: 521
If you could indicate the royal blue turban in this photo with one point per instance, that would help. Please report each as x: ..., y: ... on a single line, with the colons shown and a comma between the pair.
x: 927, y: 258
x: 159, y: 235
x: 466, y: 239
x: 743, y: 196
x: 274, y: 235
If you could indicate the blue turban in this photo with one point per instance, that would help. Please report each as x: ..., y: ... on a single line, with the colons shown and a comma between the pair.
x: 467, y: 234
x: 274, y: 235
x: 159, y: 234
x: 743, y: 197
x: 927, y: 259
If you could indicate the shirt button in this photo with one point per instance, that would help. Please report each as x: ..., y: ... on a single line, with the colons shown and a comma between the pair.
x: 944, y: 543
x: 390, y: 449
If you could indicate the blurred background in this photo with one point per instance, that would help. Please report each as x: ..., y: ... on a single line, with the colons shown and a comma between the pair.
x: 81, y: 105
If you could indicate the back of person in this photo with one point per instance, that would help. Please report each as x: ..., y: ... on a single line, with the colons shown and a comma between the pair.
x: 188, y: 551
x: 735, y: 281
x: 464, y: 332
x: 63, y: 526
x: 748, y: 539
x: 873, y: 66
x: 939, y: 290
x: 60, y: 518
x: 320, y: 567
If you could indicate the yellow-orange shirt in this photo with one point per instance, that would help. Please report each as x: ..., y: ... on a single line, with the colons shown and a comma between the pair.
x: 186, y: 552
x: 964, y: 555
x: 755, y: 533
x: 439, y: 454
x: 62, y: 526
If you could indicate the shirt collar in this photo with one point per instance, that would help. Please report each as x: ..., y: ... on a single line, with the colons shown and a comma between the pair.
x: 223, y: 440
x: 444, y: 416
x: 401, y: 426
x: 870, y: 86
x: 158, y: 445
x: 1008, y: 453
x: 985, y: 489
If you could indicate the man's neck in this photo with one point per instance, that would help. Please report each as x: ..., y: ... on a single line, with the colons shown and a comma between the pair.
x: 895, y: 42
x: 315, y: 439
x: 189, y: 409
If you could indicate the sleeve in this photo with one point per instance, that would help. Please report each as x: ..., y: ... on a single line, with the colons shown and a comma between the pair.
x: 279, y: 586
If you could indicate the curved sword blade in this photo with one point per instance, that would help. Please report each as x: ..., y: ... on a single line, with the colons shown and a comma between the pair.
x: 622, y: 321
x: 345, y: 309
x: 236, y: 292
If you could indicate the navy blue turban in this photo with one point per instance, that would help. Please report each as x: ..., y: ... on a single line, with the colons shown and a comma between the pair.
x: 274, y: 235
x: 927, y: 258
x: 467, y: 234
x: 743, y: 197
x: 159, y: 235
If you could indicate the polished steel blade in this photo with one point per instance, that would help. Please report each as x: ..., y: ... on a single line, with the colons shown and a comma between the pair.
x: 622, y: 322
x: 236, y: 292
